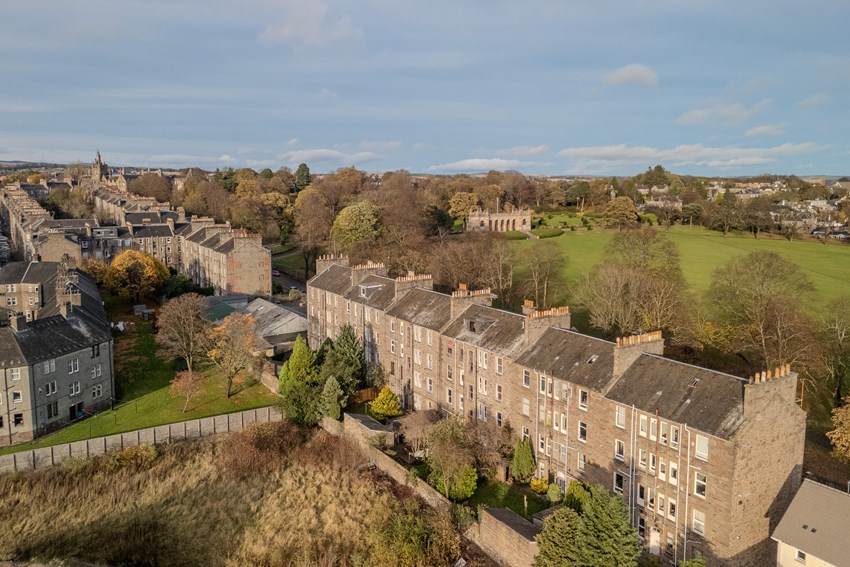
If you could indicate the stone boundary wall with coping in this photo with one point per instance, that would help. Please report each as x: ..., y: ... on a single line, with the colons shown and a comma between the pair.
x: 191, y: 429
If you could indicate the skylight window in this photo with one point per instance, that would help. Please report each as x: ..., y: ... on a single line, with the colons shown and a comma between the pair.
x: 592, y: 359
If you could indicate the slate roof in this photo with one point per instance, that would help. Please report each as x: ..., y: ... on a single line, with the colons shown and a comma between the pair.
x: 152, y: 231
x: 380, y: 292
x: 566, y: 355
x: 425, y: 308
x: 818, y: 523
x: 703, y: 399
x: 55, y: 336
x: 495, y: 330
x: 336, y: 279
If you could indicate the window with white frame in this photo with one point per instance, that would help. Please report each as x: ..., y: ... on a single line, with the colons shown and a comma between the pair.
x: 671, y: 509
x: 392, y: 346
x: 801, y: 557
x: 620, y: 417
x: 52, y: 410
x: 499, y: 392
x: 582, y: 431
x: 449, y: 371
x: 50, y: 388
x: 73, y: 365
x: 583, y: 396
x: 642, y: 528
x: 526, y: 378
x: 698, y: 523
x: 417, y: 379
x: 17, y: 397
x: 663, y: 437
x: 97, y: 391
x: 564, y: 422
x: 542, y: 384
x: 392, y: 325
x: 430, y: 384
x: 449, y: 396
x: 661, y: 503
x: 619, y: 482
x: 74, y: 388
x: 16, y: 373
x: 499, y: 367
x: 11, y: 301
x: 482, y: 412
x: 619, y: 450
x: 662, y: 470
x: 499, y: 418
x: 581, y: 461
x: 525, y: 434
x: 525, y: 407
x: 417, y: 356
x: 429, y: 360
x: 673, y: 478
x: 674, y: 437
x: 96, y: 371
x: 702, y: 447
x: 700, y: 483
x: 653, y: 429
x: 429, y: 335
x: 652, y: 462
x: 643, y: 422
x: 417, y: 333
x: 642, y: 458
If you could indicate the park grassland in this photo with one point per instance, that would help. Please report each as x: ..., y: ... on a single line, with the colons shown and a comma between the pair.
x: 702, y: 251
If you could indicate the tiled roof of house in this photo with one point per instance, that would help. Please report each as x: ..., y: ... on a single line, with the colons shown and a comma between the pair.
x: 490, y: 329
x: 567, y: 355
x: 704, y: 399
x: 817, y: 523
x: 423, y: 307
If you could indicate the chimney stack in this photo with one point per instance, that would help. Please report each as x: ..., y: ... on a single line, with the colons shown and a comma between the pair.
x: 405, y: 283
x: 18, y: 321
x: 629, y: 349
x: 368, y: 269
x: 463, y: 298
x: 537, y: 322
x: 528, y: 307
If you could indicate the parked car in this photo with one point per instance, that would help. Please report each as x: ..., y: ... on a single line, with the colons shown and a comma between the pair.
x: 275, y: 272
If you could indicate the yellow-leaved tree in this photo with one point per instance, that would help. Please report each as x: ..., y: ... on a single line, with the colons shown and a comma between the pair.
x: 233, y: 344
x: 135, y: 274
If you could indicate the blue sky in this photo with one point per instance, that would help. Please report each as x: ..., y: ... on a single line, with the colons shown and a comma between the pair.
x: 550, y: 87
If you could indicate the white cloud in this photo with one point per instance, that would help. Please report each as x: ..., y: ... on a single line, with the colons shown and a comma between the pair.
x: 608, y: 157
x: 292, y: 142
x: 380, y: 145
x: 635, y: 74
x: 814, y: 100
x: 327, y: 93
x: 765, y: 130
x: 304, y: 24
x: 521, y: 151
x: 324, y: 155
x: 730, y: 113
x: 483, y: 164
x: 227, y: 158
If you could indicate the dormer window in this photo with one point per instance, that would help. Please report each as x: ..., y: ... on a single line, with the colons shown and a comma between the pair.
x: 471, y: 325
x: 593, y: 359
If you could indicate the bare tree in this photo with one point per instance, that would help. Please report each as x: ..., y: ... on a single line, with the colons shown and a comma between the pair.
x: 187, y: 384
x: 835, y: 345
x: 182, y: 328
x: 543, y: 269
x: 415, y: 426
x: 313, y: 223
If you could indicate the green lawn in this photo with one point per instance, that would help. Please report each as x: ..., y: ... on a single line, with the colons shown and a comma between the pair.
x: 702, y: 251
x: 291, y: 261
x: 142, y: 384
x: 494, y: 494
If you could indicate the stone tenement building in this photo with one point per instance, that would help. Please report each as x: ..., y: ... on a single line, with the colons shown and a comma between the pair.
x: 213, y: 255
x: 55, y: 349
x: 483, y: 221
x: 707, y: 462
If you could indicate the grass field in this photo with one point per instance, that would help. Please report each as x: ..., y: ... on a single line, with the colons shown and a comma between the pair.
x: 702, y: 251
x: 143, y: 393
